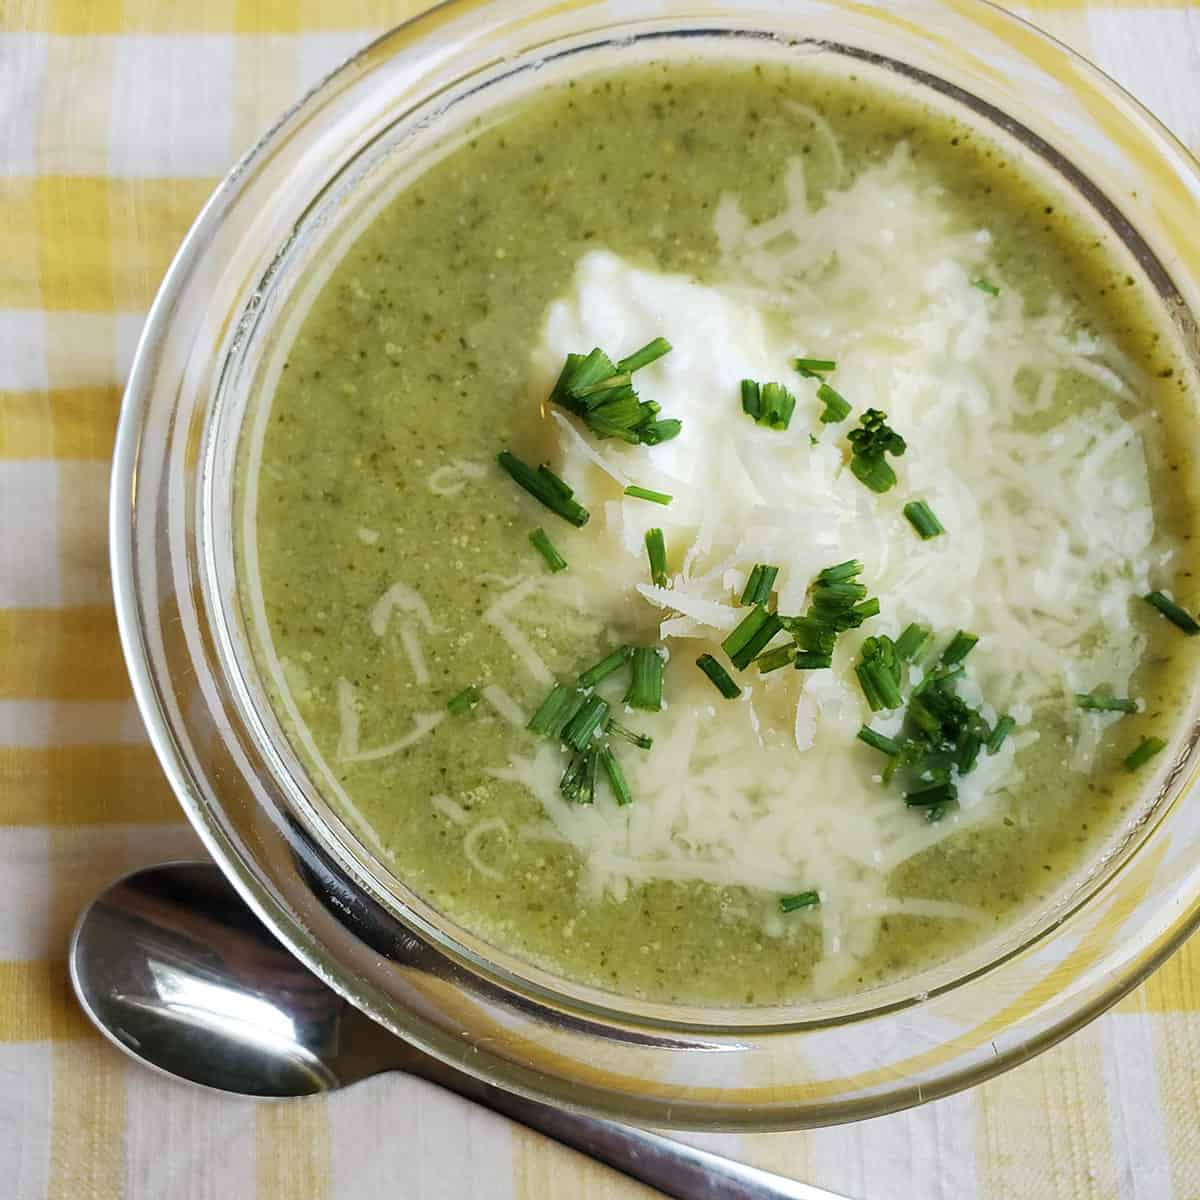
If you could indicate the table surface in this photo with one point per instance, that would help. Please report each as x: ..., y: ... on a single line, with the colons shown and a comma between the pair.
x: 116, y: 119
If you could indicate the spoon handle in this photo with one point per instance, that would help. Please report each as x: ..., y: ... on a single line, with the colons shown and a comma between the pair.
x: 672, y: 1167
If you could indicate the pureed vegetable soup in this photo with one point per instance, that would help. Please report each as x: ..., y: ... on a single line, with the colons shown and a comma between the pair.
x: 704, y: 527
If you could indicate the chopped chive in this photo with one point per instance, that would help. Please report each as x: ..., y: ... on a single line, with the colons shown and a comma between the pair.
x: 809, y: 660
x: 656, y: 432
x: 751, y: 636
x: 970, y: 742
x: 869, y: 444
x: 868, y: 608
x: 641, y: 493
x: 656, y: 552
x: 601, y: 393
x: 911, y: 644
x: 877, y: 741
x: 778, y: 404
x: 800, y: 900
x: 751, y: 398
x: 814, y: 368
x: 770, y: 404
x: 961, y: 644
x: 645, y: 687
x: 774, y: 659
x: 720, y: 677
x: 923, y: 519
x: 641, y: 740
x: 556, y: 711
x: 840, y: 572
x: 650, y: 352
x: 616, y: 777
x: 464, y: 701
x: 543, y: 485
x: 545, y: 547
x: 878, y: 672
x: 1146, y: 750
x: 583, y: 725
x: 1173, y: 613
x: 1094, y: 703
x: 984, y: 286
x: 939, y: 794
x: 837, y: 407
x: 1004, y: 727
x: 578, y: 782
x: 759, y: 585
x: 605, y: 667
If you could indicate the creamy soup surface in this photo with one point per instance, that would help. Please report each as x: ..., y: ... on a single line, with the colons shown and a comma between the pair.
x: 905, y: 300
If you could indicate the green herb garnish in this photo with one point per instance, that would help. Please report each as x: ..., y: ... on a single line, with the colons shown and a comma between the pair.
x: 770, y: 404
x: 984, y: 286
x: 616, y: 777
x: 581, y: 728
x: 759, y: 585
x: 912, y: 643
x: 641, y: 740
x: 650, y: 352
x: 800, y: 900
x: 645, y: 686
x: 923, y: 519
x: 545, y: 547
x: 1096, y: 703
x: 751, y: 636
x: 466, y: 700
x: 878, y: 672
x: 1146, y: 750
x: 719, y: 676
x: 999, y: 735
x: 641, y: 493
x: 578, y: 782
x: 601, y: 393
x: 961, y: 644
x: 878, y: 741
x: 934, y: 800
x: 810, y: 660
x: 656, y: 552
x: 545, y: 486
x: 605, y: 667
x: 837, y: 407
x: 1173, y: 613
x: 556, y: 711
x: 781, y: 656
x: 869, y: 445
x: 814, y: 368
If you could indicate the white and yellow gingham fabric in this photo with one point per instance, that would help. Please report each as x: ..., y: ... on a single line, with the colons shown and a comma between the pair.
x: 116, y: 119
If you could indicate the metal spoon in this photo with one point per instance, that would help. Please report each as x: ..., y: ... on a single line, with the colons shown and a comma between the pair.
x: 174, y: 969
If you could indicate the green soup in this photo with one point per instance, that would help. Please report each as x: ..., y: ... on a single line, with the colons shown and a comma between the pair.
x: 754, y: 214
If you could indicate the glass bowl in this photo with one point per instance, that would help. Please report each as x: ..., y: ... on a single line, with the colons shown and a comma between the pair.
x: 232, y: 299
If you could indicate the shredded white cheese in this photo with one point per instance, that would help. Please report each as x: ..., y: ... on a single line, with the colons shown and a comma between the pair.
x: 1049, y: 536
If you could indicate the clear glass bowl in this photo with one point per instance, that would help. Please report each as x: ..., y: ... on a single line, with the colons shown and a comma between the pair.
x: 231, y: 300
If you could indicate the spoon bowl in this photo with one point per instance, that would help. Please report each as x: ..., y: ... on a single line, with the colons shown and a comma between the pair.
x: 172, y: 967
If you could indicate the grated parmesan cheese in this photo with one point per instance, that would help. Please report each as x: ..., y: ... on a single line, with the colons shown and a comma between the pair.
x: 1049, y: 536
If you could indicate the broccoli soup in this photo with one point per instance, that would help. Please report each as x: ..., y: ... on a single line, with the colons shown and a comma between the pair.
x: 723, y: 532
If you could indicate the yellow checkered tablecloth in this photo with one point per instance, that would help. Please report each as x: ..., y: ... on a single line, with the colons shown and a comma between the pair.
x: 116, y: 119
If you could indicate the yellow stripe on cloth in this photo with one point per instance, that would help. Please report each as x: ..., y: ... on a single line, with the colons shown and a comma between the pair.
x: 87, y: 1143
x: 65, y: 423
x: 84, y: 785
x: 103, y: 244
x: 61, y: 654
x: 220, y: 16
x: 1043, y: 1127
x: 293, y: 1150
x: 37, y: 1004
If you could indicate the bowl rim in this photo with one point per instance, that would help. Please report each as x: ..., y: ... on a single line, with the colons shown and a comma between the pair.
x: 128, y: 603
